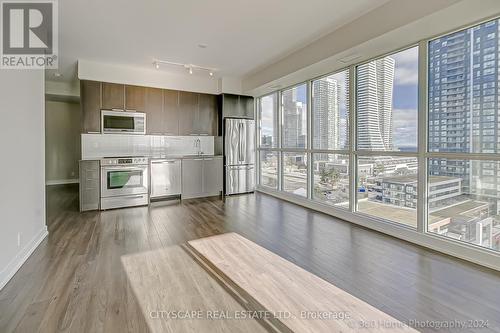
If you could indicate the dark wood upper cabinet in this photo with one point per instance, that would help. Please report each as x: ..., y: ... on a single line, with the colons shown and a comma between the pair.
x: 247, y: 107
x: 237, y: 106
x: 90, y: 94
x: 113, y: 96
x: 188, y: 112
x: 207, y: 115
x: 135, y: 98
x: 170, y: 112
x: 154, y: 111
x: 230, y: 107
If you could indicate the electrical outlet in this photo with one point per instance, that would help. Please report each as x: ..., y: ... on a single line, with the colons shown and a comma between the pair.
x: 72, y: 173
x: 18, y: 239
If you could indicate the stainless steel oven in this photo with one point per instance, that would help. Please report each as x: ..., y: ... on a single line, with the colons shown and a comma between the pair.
x: 124, y: 182
x: 123, y: 122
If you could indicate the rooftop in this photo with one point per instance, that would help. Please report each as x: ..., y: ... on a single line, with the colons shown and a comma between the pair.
x: 393, y: 213
x: 412, y: 178
x: 408, y: 216
x: 461, y: 208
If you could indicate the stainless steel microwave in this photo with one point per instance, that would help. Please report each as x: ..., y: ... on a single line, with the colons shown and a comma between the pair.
x: 123, y: 122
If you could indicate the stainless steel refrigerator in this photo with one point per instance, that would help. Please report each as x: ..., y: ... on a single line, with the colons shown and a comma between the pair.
x: 239, y: 151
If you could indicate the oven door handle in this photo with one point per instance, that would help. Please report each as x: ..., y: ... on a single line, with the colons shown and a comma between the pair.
x: 132, y: 196
x: 123, y: 168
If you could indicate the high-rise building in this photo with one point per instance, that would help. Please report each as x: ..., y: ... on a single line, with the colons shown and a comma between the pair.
x: 344, y: 131
x: 326, y: 118
x: 375, y: 82
x: 294, y: 120
x: 463, y: 107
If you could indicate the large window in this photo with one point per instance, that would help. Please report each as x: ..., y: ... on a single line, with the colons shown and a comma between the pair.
x: 464, y: 201
x: 387, y: 102
x: 386, y: 114
x: 330, y: 112
x: 350, y: 141
x: 269, y: 169
x: 464, y: 192
x: 387, y: 188
x: 294, y: 111
x: 331, y: 179
x: 268, y: 117
x: 295, y: 173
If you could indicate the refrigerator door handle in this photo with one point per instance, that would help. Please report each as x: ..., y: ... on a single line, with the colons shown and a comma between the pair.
x: 240, y: 146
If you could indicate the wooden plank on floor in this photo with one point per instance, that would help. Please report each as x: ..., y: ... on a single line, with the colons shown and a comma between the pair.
x: 303, y: 301
x: 168, y: 283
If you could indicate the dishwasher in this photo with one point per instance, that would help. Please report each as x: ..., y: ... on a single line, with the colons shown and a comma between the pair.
x: 165, y: 178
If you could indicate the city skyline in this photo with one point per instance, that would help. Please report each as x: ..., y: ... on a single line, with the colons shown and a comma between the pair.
x: 404, y: 102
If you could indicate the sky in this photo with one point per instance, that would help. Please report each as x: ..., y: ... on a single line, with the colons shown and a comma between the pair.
x: 405, y: 100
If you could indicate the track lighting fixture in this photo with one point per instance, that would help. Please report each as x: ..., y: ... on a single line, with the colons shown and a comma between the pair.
x: 190, y: 67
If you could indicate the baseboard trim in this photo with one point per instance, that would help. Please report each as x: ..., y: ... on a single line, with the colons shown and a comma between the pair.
x: 16, y: 263
x: 61, y: 182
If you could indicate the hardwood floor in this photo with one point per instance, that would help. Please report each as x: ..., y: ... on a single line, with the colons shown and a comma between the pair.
x: 75, y: 280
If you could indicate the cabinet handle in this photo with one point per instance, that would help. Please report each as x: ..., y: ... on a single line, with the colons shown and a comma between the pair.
x: 163, y: 161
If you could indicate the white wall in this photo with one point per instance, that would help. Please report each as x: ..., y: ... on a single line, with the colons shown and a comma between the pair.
x: 62, y: 142
x: 22, y: 190
x: 62, y: 88
x: 149, y: 77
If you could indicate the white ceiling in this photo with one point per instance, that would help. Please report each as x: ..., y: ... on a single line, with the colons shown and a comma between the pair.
x: 242, y: 36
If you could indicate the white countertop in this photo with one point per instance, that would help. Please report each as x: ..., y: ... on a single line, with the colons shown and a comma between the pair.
x: 166, y: 157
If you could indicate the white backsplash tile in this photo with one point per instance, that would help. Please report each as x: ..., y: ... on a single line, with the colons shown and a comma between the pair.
x: 116, y: 145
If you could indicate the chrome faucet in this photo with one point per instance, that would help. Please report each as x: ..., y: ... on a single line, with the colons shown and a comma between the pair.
x: 197, y: 144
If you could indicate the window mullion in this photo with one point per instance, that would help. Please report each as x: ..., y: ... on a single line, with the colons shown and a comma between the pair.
x: 352, y: 139
x: 422, y: 139
x: 310, y: 175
